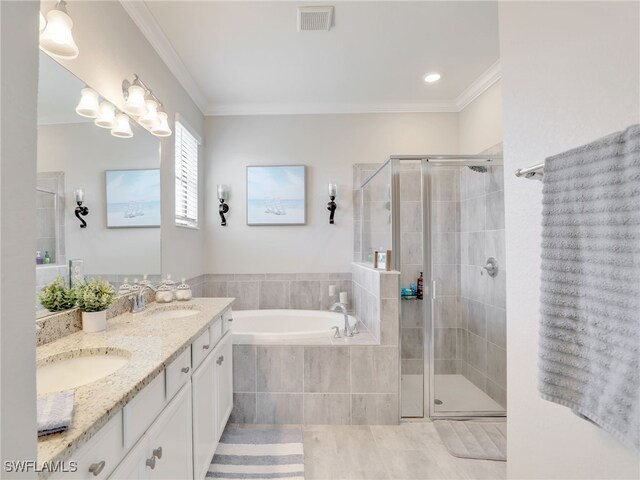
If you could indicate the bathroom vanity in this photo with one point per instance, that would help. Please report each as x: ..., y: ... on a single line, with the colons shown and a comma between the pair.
x: 162, y: 413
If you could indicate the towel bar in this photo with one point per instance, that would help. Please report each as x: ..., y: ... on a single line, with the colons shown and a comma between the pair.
x: 536, y: 172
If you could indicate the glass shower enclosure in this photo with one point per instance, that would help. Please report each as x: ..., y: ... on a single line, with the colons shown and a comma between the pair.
x: 443, y: 216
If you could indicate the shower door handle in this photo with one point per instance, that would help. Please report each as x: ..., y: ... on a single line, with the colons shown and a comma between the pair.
x: 433, y: 290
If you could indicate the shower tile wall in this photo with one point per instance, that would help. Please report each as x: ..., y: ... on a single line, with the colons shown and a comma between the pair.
x: 482, y: 316
x: 412, y: 316
x: 445, y: 259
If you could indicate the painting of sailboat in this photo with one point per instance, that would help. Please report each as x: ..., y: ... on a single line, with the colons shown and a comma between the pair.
x: 133, y: 198
x: 276, y: 195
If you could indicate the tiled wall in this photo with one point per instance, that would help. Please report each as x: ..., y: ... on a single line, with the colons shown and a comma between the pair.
x: 303, y: 291
x: 328, y: 384
x: 482, y: 298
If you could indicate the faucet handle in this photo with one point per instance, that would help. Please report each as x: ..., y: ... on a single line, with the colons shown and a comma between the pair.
x: 337, y: 331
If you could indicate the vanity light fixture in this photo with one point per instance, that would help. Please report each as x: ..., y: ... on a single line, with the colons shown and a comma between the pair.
x: 80, y: 209
x: 144, y: 106
x: 89, y: 105
x: 56, y: 38
x: 107, y: 116
x: 150, y: 119
x: 223, y: 193
x: 122, y: 128
x: 331, y: 206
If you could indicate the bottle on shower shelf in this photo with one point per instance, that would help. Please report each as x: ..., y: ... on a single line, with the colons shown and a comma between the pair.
x: 39, y: 260
x: 420, y: 287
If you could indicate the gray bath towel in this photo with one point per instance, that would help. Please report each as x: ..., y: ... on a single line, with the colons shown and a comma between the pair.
x: 590, y: 301
x: 55, y: 412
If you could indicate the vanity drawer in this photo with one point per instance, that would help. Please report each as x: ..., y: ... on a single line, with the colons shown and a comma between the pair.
x: 178, y: 372
x: 140, y: 412
x: 227, y: 319
x: 101, y: 454
x: 200, y: 348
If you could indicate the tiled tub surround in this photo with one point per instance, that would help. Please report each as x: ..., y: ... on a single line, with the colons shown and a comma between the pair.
x: 327, y: 384
x: 298, y: 291
x: 482, y: 315
x: 152, y: 343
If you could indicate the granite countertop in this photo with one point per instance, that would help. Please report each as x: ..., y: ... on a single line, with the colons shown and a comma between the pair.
x: 153, y: 344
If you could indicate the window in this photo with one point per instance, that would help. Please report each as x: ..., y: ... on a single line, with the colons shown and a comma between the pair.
x: 186, y: 177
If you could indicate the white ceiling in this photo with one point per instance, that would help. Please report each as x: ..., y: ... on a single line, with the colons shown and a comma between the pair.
x: 247, y: 57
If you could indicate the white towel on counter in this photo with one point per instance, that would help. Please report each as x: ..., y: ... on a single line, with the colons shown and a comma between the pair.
x: 55, y: 412
x: 589, y: 344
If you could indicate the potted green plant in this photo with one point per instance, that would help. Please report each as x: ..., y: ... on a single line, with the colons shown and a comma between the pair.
x: 57, y: 296
x: 94, y: 298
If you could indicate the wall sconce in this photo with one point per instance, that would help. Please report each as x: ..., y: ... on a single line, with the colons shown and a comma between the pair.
x: 223, y: 192
x: 331, y: 206
x: 80, y: 209
x: 56, y: 38
x: 144, y: 106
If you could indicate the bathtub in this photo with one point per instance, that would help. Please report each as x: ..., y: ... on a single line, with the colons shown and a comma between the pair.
x: 293, y: 327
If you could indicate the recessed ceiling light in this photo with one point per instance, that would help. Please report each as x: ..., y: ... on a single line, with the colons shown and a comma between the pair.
x: 432, y: 77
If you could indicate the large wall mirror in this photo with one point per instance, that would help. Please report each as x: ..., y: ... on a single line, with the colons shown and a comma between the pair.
x: 120, y: 183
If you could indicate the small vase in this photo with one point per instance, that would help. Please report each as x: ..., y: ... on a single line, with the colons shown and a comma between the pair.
x: 94, y: 321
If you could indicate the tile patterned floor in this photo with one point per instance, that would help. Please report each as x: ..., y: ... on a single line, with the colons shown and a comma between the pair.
x: 410, y: 451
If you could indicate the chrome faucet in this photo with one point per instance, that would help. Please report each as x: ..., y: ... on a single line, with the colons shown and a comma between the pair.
x: 138, y: 303
x: 348, y: 331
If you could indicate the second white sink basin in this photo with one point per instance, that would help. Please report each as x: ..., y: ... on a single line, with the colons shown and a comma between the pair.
x: 68, y: 373
x: 171, y: 314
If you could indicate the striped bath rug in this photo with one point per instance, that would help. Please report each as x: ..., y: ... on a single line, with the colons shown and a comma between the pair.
x: 259, y: 452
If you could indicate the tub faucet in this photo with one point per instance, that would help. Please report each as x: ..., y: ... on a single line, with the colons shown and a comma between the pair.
x: 348, y: 331
x: 138, y: 303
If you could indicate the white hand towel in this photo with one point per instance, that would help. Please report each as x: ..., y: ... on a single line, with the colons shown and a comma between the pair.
x: 55, y: 412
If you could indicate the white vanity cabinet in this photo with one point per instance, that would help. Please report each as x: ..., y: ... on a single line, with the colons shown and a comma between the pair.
x: 171, y: 428
x: 164, y: 451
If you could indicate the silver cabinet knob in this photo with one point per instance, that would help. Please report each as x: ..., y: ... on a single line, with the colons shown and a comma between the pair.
x: 96, y: 468
x: 220, y: 360
x: 151, y: 462
x: 158, y: 452
x: 230, y: 320
x: 206, y: 347
x: 185, y: 369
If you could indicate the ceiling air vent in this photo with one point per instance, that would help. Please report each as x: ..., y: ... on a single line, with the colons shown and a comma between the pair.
x: 314, y: 18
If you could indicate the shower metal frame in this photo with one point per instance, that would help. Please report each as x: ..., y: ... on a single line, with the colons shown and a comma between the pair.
x: 427, y: 162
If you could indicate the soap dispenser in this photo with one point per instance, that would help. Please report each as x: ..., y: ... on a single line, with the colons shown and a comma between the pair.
x: 183, y: 291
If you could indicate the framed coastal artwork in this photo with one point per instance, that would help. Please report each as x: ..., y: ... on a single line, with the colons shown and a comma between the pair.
x: 133, y: 198
x: 276, y: 195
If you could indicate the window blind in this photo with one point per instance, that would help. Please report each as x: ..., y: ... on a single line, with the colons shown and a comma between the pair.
x: 186, y: 177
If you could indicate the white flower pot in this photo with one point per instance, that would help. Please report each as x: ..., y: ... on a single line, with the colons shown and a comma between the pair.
x: 94, y: 321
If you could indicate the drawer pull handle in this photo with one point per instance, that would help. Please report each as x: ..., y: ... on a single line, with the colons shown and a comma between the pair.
x: 206, y: 347
x: 96, y: 468
x: 158, y: 452
x: 185, y: 369
x: 220, y: 360
x: 151, y: 462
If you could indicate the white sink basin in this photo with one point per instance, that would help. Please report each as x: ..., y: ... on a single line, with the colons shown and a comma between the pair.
x: 172, y: 313
x: 71, y: 373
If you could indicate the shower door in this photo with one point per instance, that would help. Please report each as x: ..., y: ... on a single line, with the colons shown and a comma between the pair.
x: 466, y: 321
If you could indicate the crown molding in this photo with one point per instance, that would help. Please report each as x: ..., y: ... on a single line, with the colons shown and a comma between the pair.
x: 320, y: 109
x: 478, y: 86
x: 148, y: 25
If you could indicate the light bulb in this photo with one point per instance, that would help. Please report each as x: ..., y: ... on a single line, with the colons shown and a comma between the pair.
x: 150, y: 119
x: 88, y: 106
x: 107, y: 116
x: 122, y: 128
x: 135, y: 104
x: 56, y: 38
x: 162, y: 129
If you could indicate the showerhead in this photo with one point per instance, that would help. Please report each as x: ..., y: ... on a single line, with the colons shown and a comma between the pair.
x: 478, y: 169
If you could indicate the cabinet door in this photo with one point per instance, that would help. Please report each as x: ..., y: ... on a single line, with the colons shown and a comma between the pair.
x: 170, y: 439
x: 205, y: 431
x: 133, y: 465
x: 224, y: 381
